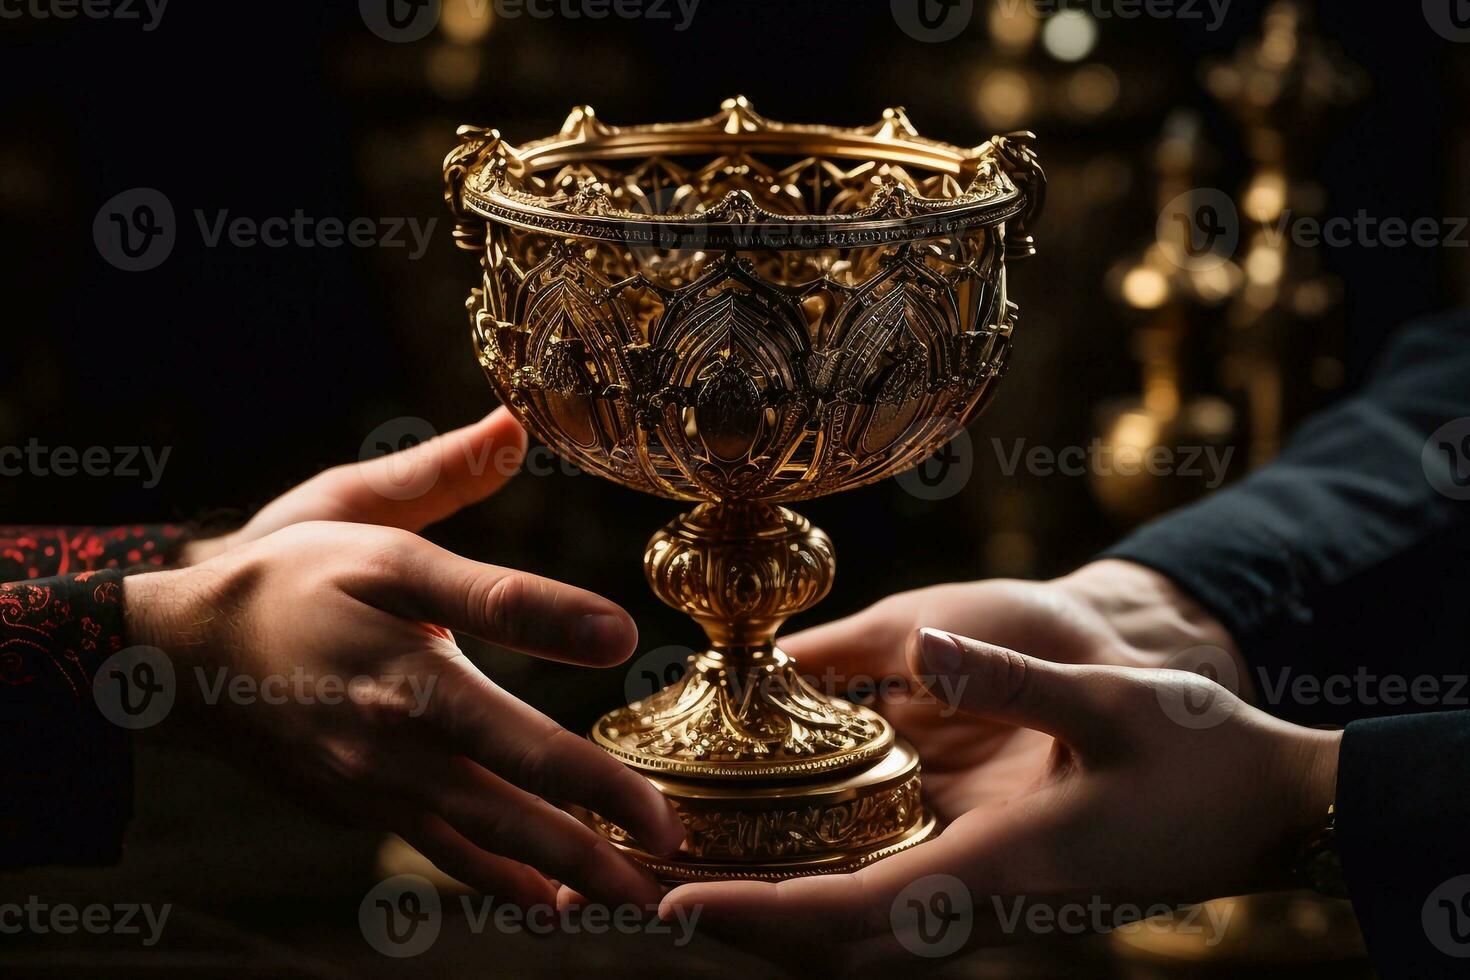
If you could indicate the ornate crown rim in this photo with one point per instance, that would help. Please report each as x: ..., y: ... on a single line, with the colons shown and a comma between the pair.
x: 488, y: 177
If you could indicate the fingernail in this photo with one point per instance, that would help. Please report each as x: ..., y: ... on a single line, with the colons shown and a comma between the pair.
x: 941, y: 652
x: 601, y: 632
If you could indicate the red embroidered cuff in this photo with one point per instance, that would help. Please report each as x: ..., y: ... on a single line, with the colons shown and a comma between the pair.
x: 39, y: 552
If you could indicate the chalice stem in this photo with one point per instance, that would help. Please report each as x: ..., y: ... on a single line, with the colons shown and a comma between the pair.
x: 740, y: 569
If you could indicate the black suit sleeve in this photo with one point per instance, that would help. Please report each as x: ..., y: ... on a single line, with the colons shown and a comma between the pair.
x: 1346, y: 561
x: 1403, y: 812
x: 1360, y: 487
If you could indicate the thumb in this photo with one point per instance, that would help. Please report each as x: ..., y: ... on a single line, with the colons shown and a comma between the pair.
x: 435, y: 479
x: 982, y: 679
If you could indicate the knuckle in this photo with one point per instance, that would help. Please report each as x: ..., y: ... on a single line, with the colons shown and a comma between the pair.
x: 533, y: 771
x: 587, y: 850
x: 494, y: 828
x: 502, y: 605
x: 1008, y: 677
x: 354, y: 763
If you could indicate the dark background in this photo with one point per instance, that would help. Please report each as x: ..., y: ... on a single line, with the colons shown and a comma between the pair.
x: 258, y: 367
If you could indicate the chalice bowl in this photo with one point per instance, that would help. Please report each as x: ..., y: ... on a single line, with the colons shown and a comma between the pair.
x: 744, y: 313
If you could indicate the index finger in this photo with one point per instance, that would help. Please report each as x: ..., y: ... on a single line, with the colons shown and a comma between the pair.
x: 524, y: 612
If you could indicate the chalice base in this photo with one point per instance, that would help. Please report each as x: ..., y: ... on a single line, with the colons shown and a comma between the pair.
x: 783, y: 829
x: 773, y: 776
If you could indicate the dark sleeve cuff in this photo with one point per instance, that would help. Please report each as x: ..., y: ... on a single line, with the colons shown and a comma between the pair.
x: 1354, y: 492
x: 1219, y: 553
x: 66, y: 781
x: 1403, y: 805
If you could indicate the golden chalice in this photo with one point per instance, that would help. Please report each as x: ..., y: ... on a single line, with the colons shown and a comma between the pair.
x: 743, y: 313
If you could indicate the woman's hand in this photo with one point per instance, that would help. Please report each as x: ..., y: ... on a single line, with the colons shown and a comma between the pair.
x: 1117, y: 786
x: 357, y: 696
x: 408, y: 490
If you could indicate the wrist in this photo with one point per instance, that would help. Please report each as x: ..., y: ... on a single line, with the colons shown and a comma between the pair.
x: 1152, y: 617
x: 166, y: 611
x: 1310, y: 777
x: 198, y: 552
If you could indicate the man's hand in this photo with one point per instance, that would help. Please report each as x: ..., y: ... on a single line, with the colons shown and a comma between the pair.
x: 408, y: 490
x: 427, y: 746
x: 1228, y: 790
x: 1110, y: 613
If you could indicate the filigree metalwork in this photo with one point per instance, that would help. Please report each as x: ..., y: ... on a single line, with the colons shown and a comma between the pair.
x: 783, y: 832
x: 743, y: 312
